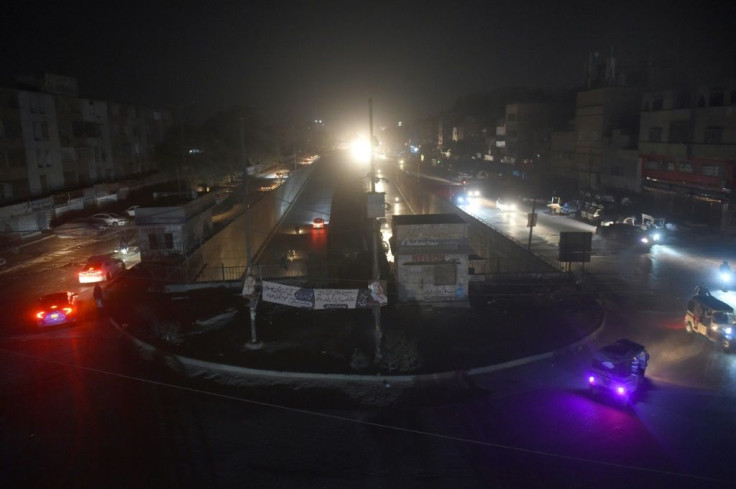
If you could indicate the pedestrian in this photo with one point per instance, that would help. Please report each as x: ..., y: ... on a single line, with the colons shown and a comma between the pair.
x: 97, y: 294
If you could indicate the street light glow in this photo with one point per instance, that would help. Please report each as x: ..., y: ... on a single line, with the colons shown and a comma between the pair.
x: 360, y: 149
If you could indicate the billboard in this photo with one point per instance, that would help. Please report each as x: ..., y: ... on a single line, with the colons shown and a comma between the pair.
x: 575, y: 246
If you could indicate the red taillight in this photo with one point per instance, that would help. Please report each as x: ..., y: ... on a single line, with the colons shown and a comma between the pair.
x: 68, y: 310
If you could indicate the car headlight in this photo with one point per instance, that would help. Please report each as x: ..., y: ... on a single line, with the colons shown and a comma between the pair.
x: 644, y: 240
x: 728, y: 330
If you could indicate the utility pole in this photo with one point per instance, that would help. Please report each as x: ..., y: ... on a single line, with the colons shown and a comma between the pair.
x: 183, y: 152
x: 374, y: 232
x: 249, y: 291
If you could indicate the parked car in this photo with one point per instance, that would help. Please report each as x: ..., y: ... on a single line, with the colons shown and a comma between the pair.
x: 97, y: 223
x: 100, y: 268
x: 130, y: 211
x: 55, y: 309
x: 111, y: 219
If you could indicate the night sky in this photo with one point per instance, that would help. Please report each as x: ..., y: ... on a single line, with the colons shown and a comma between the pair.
x: 294, y: 60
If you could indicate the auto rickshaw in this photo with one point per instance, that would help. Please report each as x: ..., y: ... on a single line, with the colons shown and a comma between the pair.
x: 618, y: 370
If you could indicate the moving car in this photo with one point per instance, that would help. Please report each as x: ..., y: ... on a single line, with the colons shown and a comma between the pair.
x: 625, y: 236
x: 712, y: 318
x: 318, y: 223
x: 130, y: 211
x: 505, y: 205
x: 55, y: 309
x: 618, y: 370
x: 469, y: 197
x: 111, y: 219
x: 100, y: 268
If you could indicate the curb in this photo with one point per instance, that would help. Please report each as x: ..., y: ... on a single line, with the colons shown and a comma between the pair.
x: 364, y: 387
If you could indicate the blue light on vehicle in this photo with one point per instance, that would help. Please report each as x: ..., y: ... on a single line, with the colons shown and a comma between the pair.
x: 655, y: 236
x: 591, y: 380
x: 620, y: 390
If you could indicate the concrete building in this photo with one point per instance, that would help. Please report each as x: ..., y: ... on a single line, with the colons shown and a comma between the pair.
x: 524, y: 135
x: 431, y: 253
x: 599, y: 151
x: 687, y: 151
x: 51, y: 139
x: 169, y: 231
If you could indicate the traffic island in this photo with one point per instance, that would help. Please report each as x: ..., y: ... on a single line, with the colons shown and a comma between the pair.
x: 201, y: 333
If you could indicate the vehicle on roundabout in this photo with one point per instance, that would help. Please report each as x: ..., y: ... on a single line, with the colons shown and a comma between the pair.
x: 617, y: 370
x: 318, y: 223
x: 710, y: 317
x: 56, y: 309
x: 100, y: 268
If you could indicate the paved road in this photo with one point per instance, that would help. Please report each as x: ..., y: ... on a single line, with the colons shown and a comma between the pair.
x: 77, y: 409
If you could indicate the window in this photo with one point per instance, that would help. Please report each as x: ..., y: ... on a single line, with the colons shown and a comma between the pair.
x: 713, y: 135
x: 12, y: 129
x: 678, y: 132
x: 169, y: 241
x: 686, y: 167
x: 655, y: 134
x: 711, y: 170
x: 445, y: 274
x: 716, y: 98
x: 40, y: 130
x: 152, y: 241
x: 669, y: 165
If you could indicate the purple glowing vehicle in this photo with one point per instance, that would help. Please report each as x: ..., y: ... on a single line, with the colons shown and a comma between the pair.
x: 618, y: 370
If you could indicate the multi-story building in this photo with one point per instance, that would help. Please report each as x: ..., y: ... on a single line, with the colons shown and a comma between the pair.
x: 599, y: 150
x: 687, y: 151
x: 524, y: 135
x: 52, y: 140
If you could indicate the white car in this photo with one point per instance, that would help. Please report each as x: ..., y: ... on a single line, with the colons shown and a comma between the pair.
x: 111, y: 219
x: 505, y: 205
x: 131, y: 210
x: 100, y: 268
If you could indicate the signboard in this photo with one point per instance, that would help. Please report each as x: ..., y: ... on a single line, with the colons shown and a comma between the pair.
x: 575, y: 246
x: 289, y: 295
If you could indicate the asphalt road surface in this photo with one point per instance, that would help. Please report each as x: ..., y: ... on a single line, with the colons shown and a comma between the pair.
x: 78, y: 409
